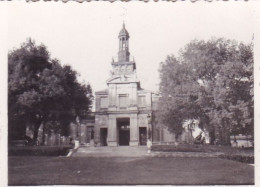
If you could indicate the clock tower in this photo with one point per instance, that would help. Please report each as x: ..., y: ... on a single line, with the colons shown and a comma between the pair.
x: 122, y: 109
x: 123, y: 53
x: 124, y: 69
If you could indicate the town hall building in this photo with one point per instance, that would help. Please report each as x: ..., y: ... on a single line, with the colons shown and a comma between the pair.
x: 123, y: 109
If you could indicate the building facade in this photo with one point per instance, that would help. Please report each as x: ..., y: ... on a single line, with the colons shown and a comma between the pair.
x: 123, y: 109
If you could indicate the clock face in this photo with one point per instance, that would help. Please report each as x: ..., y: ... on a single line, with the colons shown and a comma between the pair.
x: 123, y: 68
x: 129, y: 68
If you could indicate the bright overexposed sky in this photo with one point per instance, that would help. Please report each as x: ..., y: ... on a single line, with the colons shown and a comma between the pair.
x: 85, y: 35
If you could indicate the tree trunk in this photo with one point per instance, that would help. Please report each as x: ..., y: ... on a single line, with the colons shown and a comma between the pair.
x: 212, y: 136
x: 35, y: 132
x: 226, y: 133
x: 43, y: 133
x: 227, y: 137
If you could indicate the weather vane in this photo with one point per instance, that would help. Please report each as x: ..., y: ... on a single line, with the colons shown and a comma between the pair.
x: 123, y: 13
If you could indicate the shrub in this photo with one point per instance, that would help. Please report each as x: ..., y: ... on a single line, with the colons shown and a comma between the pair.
x: 240, y: 158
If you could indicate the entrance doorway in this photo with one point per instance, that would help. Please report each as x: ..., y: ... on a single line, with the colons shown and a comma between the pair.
x: 123, y: 126
x: 142, y: 135
x: 103, y: 136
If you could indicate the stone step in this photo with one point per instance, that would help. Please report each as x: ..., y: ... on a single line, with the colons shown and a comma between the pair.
x: 128, y: 151
x: 124, y: 151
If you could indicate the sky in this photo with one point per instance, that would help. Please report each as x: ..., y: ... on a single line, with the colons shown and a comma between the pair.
x: 85, y: 35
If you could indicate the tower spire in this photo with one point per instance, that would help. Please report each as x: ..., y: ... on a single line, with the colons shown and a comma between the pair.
x: 123, y: 53
x: 124, y: 66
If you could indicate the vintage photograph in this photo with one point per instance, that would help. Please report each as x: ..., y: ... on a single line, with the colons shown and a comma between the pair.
x: 131, y: 93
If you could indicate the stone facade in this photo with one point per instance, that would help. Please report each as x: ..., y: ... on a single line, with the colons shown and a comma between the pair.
x: 122, y: 109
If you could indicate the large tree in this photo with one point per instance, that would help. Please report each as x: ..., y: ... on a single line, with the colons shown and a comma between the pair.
x: 211, y: 81
x: 42, y: 92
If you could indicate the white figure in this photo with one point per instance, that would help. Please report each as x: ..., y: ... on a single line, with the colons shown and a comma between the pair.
x: 149, y: 145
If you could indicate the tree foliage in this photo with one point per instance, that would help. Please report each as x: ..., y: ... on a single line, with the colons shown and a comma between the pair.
x: 211, y: 81
x: 42, y: 91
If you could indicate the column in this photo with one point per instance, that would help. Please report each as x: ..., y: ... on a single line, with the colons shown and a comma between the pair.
x: 134, y: 132
x: 112, y: 131
x: 112, y: 97
x: 133, y: 96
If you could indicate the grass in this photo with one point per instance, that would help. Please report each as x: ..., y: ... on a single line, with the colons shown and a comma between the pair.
x: 203, y: 148
x: 238, y: 154
x: 145, y: 170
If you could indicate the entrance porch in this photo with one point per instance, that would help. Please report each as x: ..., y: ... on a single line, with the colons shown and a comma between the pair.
x: 123, y: 130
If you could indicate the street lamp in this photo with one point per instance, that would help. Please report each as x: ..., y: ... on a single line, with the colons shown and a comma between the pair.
x: 77, y: 123
x: 149, y: 142
x: 77, y: 141
x: 150, y: 134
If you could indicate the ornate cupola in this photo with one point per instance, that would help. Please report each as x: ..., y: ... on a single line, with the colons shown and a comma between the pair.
x: 123, y: 53
x: 124, y: 69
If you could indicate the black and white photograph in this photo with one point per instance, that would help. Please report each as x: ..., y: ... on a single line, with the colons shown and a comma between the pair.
x: 130, y: 93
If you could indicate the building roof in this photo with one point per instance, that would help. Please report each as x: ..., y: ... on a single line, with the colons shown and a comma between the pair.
x: 141, y: 90
x: 123, y: 31
x: 101, y: 92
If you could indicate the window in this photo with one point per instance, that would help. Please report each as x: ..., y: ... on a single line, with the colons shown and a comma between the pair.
x: 103, y: 102
x: 141, y: 101
x: 122, y: 127
x: 123, y: 101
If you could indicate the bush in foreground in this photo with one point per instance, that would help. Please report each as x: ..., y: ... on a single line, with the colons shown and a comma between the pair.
x: 39, y: 151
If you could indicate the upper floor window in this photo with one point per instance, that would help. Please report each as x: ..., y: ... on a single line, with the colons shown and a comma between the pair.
x: 103, y: 102
x: 123, y: 101
x: 141, y: 101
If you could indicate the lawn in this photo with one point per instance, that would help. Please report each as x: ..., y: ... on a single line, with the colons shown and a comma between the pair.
x: 145, y: 170
x: 203, y: 148
x: 245, y: 155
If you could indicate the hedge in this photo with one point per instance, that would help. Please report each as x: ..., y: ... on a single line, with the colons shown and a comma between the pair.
x: 39, y: 151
